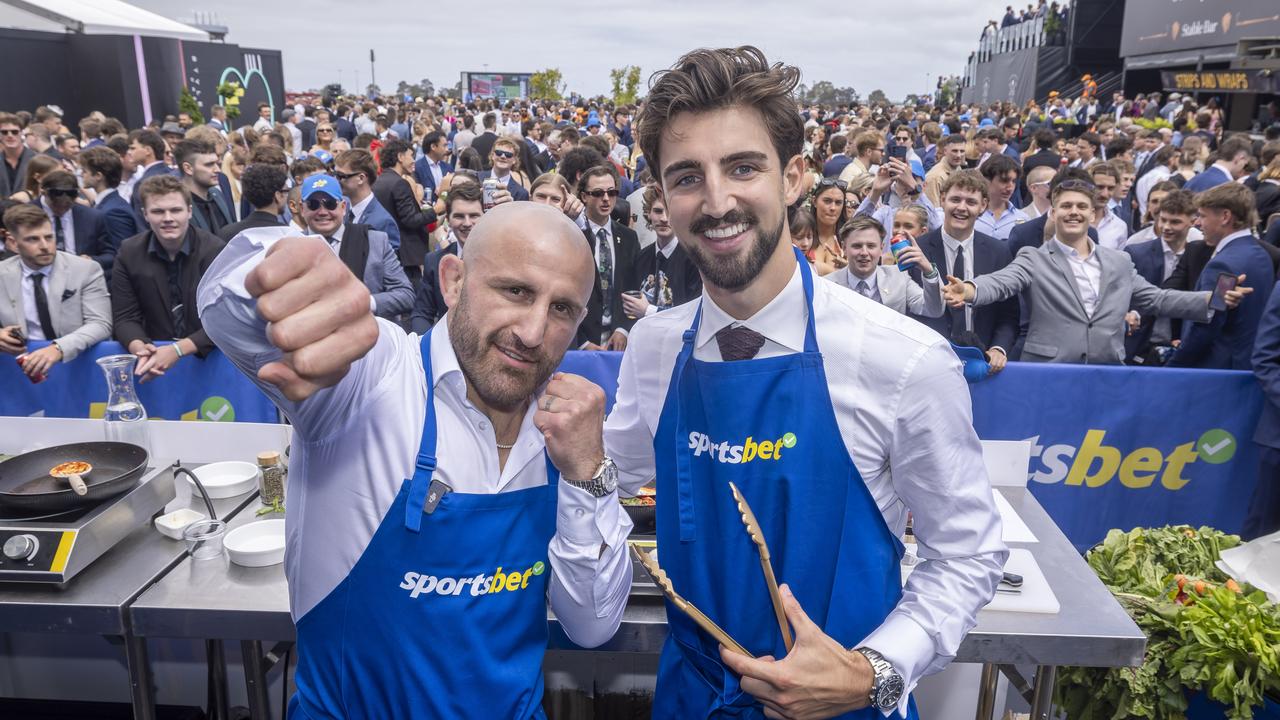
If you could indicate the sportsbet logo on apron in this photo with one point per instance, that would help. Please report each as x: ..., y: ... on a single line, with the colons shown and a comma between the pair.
x: 445, y: 613
x: 768, y: 426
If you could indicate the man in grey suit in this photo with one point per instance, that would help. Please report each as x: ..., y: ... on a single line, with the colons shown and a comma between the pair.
x: 50, y: 295
x: 863, y: 243
x: 367, y: 252
x: 1080, y: 292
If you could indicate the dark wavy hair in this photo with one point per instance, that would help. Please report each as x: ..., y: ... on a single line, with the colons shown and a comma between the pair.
x: 705, y: 80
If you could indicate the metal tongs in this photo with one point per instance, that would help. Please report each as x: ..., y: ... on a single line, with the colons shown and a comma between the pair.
x: 707, y: 624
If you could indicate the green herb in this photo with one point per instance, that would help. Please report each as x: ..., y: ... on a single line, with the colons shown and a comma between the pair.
x: 1204, y: 633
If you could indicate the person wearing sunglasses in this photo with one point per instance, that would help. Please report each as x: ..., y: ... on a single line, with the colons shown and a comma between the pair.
x: 617, y: 250
x: 505, y: 163
x: 365, y: 251
x: 13, y: 175
x: 78, y: 229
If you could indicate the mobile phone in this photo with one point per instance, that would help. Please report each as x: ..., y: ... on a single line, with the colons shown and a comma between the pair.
x: 1226, y: 283
x: 898, y: 151
x: 16, y: 333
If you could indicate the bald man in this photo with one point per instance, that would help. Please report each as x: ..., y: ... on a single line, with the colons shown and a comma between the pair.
x: 443, y: 488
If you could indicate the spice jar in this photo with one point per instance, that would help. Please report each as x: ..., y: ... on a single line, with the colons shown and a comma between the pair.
x: 271, y: 478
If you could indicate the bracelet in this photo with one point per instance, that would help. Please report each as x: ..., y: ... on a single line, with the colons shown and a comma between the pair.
x: 178, y: 349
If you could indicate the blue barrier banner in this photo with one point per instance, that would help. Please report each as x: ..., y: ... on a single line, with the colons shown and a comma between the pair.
x: 1112, y: 447
x: 193, y: 389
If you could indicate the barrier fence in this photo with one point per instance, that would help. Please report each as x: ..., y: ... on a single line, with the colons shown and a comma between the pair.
x: 1112, y: 447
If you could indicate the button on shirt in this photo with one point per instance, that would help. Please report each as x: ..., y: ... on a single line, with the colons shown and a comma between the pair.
x: 1087, y: 272
x: 354, y: 444
x: 904, y: 412
x: 34, y: 330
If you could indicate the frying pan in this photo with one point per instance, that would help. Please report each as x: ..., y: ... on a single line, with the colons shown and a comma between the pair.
x: 25, y: 483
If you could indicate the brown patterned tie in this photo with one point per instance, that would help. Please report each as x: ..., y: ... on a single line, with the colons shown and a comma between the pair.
x: 739, y: 343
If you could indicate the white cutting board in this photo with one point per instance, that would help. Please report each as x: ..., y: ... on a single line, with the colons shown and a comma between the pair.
x: 1036, y: 595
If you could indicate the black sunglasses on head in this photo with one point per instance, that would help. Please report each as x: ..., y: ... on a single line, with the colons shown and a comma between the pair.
x: 832, y: 182
x: 315, y: 202
x: 597, y: 194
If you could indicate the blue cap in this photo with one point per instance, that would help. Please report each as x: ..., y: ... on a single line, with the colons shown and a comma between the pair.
x: 323, y: 155
x: 917, y: 167
x: 593, y: 122
x: 976, y: 367
x: 326, y: 184
x: 986, y: 122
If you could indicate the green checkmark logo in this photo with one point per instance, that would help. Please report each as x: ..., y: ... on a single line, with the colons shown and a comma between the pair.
x: 539, y: 568
x: 217, y: 409
x: 1216, y: 446
x: 789, y: 440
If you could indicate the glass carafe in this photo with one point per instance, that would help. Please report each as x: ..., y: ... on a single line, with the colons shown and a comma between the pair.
x: 125, y: 417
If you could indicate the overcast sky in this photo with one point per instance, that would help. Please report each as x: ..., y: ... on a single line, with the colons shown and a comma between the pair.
x: 899, y: 46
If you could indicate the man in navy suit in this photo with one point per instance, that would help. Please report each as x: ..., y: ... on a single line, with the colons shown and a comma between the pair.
x: 1155, y: 260
x: 103, y: 170
x: 1227, y: 217
x: 431, y: 168
x: 1263, y: 517
x: 1233, y: 156
x: 463, y: 209
x: 356, y: 172
x: 343, y: 125
x: 503, y: 159
x: 77, y: 229
x: 956, y: 250
x: 146, y: 151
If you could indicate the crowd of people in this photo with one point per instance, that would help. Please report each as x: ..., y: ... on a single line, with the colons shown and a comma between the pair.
x: 995, y: 225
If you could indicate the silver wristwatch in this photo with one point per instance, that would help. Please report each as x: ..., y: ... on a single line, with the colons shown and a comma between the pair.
x: 887, y: 687
x: 603, y: 482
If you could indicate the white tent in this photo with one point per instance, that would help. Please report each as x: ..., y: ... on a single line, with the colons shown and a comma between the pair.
x: 106, y: 17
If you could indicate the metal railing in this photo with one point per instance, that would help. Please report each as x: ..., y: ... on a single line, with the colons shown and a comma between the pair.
x: 1024, y: 35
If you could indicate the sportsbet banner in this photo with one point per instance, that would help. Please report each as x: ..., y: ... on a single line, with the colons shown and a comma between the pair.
x: 1112, y: 447
x: 193, y: 389
x: 1116, y: 447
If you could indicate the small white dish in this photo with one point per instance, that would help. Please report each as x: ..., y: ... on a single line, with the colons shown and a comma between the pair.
x: 257, y: 544
x: 172, y: 524
x: 226, y: 479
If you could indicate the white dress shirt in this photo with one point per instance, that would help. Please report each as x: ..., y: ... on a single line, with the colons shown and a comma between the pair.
x: 1155, y: 175
x: 1112, y: 232
x: 357, y: 209
x: 903, y: 409
x: 949, y: 246
x: 1087, y: 272
x: 34, y: 330
x: 355, y: 442
x: 1149, y: 233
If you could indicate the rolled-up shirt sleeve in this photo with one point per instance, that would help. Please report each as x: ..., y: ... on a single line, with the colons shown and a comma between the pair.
x: 937, y: 469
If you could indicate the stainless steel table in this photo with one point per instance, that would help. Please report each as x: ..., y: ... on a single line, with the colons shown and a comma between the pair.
x: 214, y: 599
x: 94, y: 601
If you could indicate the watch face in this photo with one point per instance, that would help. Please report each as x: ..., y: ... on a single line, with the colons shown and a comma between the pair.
x: 890, y: 692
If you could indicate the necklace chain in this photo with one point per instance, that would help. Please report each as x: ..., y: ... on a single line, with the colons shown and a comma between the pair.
x: 506, y: 447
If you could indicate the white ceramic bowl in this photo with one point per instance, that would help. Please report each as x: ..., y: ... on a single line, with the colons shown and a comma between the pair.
x: 258, y: 544
x: 226, y: 479
x: 172, y: 524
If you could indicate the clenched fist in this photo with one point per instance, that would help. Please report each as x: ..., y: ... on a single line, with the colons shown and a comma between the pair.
x: 570, y: 417
x: 318, y: 313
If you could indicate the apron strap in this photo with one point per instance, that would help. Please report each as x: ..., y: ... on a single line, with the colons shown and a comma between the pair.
x: 806, y: 276
x: 425, y: 465
x: 553, y: 472
x: 684, y: 465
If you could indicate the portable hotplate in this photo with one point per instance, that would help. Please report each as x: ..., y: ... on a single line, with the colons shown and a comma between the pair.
x: 52, y: 548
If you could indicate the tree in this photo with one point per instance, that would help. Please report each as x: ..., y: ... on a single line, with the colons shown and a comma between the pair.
x: 187, y: 103
x: 913, y: 100
x: 877, y: 96
x: 426, y: 88
x: 626, y: 84
x: 547, y: 84
x: 331, y: 93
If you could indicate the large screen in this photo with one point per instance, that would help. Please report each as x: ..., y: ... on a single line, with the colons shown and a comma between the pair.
x: 1154, y: 26
x: 503, y: 86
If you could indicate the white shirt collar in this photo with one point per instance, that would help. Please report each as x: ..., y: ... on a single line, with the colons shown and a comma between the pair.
x: 781, y: 320
x: 103, y: 196
x: 1071, y: 252
x: 953, y: 243
x: 337, y: 234
x: 1245, y: 232
x: 872, y: 282
x: 46, y: 271
x: 1225, y: 168
x: 670, y: 248
x: 595, y: 229
x: 357, y: 209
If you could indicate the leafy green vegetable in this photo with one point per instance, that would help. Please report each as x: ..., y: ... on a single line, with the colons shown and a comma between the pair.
x: 1204, y: 633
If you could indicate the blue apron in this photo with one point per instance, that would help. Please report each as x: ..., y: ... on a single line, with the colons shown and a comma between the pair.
x: 444, y: 615
x: 768, y: 426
